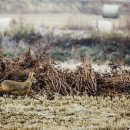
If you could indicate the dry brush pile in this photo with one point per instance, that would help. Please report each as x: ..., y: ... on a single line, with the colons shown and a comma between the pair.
x: 52, y: 80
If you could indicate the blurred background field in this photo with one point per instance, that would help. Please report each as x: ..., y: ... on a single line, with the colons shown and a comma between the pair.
x: 65, y: 29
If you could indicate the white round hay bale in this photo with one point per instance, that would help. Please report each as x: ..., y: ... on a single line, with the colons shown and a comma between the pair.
x: 110, y: 11
x: 103, y: 26
x: 5, y: 23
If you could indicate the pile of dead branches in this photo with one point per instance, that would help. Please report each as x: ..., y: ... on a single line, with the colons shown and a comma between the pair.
x: 111, y: 83
x: 52, y: 80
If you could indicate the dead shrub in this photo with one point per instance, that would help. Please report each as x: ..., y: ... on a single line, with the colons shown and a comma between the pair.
x: 51, y: 80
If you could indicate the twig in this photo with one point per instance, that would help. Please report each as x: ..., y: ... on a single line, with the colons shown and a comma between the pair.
x: 4, y: 77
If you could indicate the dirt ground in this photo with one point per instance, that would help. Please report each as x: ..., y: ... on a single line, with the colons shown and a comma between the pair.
x: 72, y: 113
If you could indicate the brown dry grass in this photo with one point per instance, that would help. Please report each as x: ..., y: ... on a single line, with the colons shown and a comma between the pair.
x: 64, y: 113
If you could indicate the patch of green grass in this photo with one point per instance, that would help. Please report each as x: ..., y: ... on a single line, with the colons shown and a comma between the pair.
x: 61, y: 55
x: 9, y: 55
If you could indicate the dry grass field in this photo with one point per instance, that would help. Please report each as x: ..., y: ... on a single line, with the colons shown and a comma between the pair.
x: 65, y: 113
x: 62, y: 20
